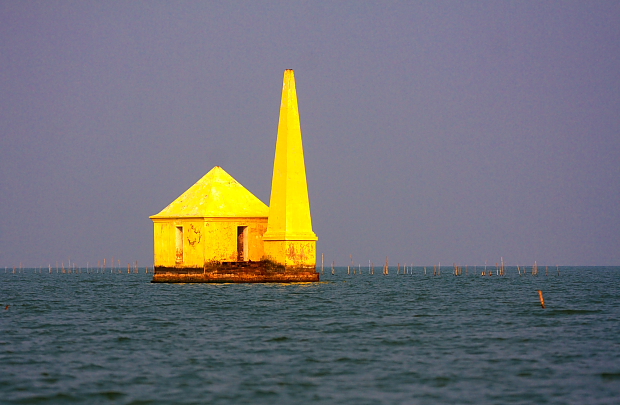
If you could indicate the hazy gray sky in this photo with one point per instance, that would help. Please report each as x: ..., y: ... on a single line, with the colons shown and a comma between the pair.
x: 433, y: 131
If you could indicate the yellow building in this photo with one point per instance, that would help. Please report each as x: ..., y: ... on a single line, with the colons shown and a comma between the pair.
x: 215, y: 220
x: 218, y: 231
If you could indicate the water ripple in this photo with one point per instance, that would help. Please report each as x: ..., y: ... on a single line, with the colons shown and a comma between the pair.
x: 359, y: 339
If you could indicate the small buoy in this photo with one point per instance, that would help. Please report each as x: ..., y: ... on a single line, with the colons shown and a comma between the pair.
x: 6, y: 308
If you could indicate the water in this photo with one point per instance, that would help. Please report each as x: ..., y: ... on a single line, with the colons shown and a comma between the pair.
x: 358, y: 339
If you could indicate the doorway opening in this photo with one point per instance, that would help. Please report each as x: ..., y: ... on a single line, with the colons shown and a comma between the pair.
x: 179, y: 245
x: 242, y: 243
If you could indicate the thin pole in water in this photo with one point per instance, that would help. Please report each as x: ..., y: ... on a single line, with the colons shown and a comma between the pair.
x: 542, y: 300
x: 349, y: 266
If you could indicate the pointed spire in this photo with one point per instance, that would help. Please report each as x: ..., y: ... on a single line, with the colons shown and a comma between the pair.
x: 289, y: 212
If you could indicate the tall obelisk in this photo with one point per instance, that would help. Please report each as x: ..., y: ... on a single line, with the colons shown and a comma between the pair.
x: 289, y: 239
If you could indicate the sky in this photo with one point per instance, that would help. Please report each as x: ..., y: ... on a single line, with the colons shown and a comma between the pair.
x: 434, y: 132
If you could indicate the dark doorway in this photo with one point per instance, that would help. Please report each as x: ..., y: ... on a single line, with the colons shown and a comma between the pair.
x: 179, y: 245
x: 242, y: 243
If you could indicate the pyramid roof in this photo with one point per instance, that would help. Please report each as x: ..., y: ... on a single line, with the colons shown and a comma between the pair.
x: 216, y: 194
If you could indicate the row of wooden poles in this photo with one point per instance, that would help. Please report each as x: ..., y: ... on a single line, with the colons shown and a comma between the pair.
x: 500, y: 268
x: 102, y: 268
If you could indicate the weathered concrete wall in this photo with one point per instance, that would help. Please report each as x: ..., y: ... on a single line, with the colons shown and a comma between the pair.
x: 193, y: 239
x: 206, y: 240
x: 236, y: 272
x: 164, y: 243
x: 221, y: 239
x: 220, y: 242
x: 291, y: 252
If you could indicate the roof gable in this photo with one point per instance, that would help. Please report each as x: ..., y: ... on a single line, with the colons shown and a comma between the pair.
x: 216, y: 194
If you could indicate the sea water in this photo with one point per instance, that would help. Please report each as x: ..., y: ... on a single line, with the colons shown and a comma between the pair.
x: 350, y: 339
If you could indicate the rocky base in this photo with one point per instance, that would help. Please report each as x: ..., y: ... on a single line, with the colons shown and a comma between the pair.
x: 236, y: 272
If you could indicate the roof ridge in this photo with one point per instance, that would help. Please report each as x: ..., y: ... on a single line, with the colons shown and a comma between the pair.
x: 216, y: 194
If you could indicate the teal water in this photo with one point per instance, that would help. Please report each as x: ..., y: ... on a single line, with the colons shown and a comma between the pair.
x: 351, y: 339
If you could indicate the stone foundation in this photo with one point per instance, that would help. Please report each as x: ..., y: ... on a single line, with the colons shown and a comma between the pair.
x: 236, y: 272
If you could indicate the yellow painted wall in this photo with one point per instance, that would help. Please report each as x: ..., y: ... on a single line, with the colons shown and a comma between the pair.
x: 193, y: 239
x: 163, y: 243
x: 206, y: 240
x: 292, y: 252
x: 220, y: 241
x: 256, y: 245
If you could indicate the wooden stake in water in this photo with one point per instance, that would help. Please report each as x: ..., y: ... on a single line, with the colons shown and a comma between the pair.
x: 542, y: 300
x: 322, y: 267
